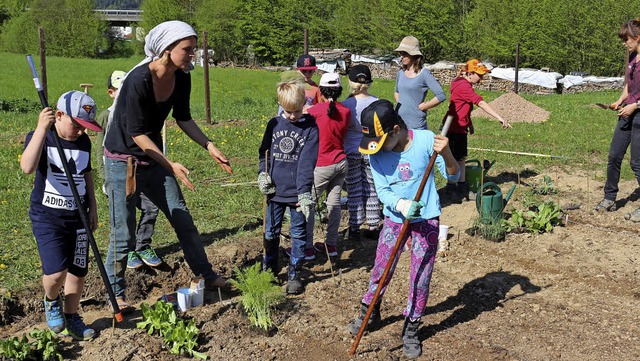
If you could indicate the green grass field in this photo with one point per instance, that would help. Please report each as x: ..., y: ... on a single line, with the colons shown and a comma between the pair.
x: 242, y: 101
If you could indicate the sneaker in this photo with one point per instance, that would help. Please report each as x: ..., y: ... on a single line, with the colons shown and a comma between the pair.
x: 134, y: 260
x: 309, y: 253
x: 410, y: 343
x: 53, y: 314
x: 319, y: 247
x: 77, y: 329
x: 606, y: 205
x: 633, y: 216
x: 149, y: 257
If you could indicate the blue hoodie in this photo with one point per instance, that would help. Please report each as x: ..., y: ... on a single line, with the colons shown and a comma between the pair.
x: 293, y: 152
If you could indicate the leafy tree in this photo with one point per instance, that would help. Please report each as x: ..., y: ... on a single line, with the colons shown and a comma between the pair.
x: 363, y: 26
x: 218, y: 19
x: 72, y: 28
x: 435, y: 24
x: 11, y: 8
x: 155, y: 12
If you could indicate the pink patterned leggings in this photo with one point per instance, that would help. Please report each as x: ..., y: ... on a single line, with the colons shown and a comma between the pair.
x: 424, y: 244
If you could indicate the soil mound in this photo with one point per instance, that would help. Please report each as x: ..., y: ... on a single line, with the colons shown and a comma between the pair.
x: 515, y: 109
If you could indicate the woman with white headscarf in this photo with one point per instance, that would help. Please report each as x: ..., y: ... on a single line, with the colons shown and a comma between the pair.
x: 158, y: 85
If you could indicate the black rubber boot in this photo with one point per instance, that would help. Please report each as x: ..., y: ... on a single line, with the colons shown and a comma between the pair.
x: 410, y: 342
x: 354, y: 326
x: 463, y: 191
x: 294, y: 281
x: 270, y: 259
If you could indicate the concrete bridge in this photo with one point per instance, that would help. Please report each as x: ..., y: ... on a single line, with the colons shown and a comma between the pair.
x: 120, y: 17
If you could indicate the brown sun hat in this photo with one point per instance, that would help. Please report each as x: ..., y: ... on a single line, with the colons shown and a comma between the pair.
x: 410, y: 45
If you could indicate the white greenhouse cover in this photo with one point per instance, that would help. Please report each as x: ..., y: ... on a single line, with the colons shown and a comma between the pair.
x: 527, y: 76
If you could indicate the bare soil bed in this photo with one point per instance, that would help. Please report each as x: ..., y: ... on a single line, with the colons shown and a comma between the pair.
x: 573, y: 294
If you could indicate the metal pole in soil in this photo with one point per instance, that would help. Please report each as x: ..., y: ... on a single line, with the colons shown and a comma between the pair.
x: 205, y: 65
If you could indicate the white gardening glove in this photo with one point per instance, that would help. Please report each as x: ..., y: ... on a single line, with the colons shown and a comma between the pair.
x: 410, y: 209
x: 305, y: 204
x: 266, y: 184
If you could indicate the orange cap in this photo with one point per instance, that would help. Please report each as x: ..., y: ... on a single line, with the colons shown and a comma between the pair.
x: 475, y: 66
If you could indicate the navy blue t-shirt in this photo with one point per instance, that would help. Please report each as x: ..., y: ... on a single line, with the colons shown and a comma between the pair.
x: 51, y: 198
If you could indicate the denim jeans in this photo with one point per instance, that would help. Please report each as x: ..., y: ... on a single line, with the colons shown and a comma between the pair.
x: 331, y: 179
x: 146, y: 223
x: 298, y: 224
x: 627, y: 133
x: 163, y: 190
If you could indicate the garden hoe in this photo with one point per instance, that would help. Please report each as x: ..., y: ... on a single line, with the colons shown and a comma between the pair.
x: 402, y: 237
x: 83, y: 212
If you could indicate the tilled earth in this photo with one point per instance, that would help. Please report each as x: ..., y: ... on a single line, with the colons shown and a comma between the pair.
x: 572, y: 294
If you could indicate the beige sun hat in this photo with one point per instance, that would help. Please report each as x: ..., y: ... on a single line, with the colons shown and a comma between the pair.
x: 410, y: 45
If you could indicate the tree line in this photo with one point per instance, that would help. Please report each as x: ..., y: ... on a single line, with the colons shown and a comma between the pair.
x: 568, y: 35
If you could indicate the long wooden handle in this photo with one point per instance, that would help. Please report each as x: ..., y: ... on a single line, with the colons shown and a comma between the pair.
x: 399, y: 243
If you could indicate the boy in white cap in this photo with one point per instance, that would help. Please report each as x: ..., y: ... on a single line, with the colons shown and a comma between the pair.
x: 332, y: 119
x: 57, y: 227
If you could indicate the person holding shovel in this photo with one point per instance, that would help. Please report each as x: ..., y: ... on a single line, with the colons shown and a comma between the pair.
x: 60, y: 235
x: 463, y: 98
x: 399, y: 159
x: 627, y: 131
x: 134, y: 162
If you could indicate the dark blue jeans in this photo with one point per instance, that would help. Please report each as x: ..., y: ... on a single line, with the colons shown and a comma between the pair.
x: 146, y: 223
x: 627, y: 133
x: 298, y: 224
x: 162, y: 188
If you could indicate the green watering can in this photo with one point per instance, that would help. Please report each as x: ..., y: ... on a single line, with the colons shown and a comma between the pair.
x: 490, y: 204
x: 474, y: 172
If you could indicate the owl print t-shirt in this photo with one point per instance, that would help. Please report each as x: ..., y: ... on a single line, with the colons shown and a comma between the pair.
x: 398, y: 175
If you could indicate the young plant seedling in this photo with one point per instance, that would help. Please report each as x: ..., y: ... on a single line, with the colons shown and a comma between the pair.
x: 181, y: 337
x: 545, y: 186
x: 260, y: 294
x: 42, y: 346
